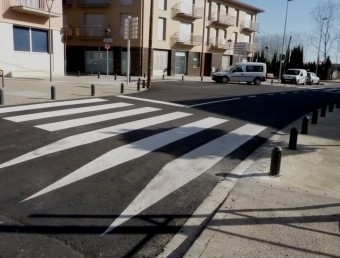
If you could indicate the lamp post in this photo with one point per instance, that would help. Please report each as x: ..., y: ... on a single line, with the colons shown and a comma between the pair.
x: 283, y: 42
x: 49, y: 4
x: 318, y: 60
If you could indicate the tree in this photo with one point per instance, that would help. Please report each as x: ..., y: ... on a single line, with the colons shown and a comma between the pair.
x: 324, y: 15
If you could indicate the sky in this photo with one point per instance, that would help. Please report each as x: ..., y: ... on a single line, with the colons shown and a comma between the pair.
x: 298, y: 18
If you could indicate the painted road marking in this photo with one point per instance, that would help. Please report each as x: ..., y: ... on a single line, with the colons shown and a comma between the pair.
x: 94, y: 119
x: 64, y: 112
x: 131, y: 151
x: 186, y: 168
x: 152, y: 101
x: 94, y: 136
x: 212, y: 102
x: 50, y: 104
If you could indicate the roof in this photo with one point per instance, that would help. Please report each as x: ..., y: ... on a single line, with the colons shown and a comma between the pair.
x: 247, y: 6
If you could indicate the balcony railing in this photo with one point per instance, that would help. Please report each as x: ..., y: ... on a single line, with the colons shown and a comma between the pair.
x: 35, y: 7
x: 250, y: 26
x: 223, y: 19
x: 94, y: 3
x: 185, y: 39
x: 90, y: 31
x: 220, y: 43
x: 187, y: 10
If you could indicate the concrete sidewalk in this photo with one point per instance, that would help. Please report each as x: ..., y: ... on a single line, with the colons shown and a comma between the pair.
x: 296, y: 214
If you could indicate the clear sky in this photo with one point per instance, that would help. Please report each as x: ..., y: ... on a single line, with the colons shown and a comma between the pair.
x: 298, y: 19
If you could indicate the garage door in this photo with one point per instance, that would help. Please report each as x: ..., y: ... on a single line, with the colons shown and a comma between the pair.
x: 160, y: 62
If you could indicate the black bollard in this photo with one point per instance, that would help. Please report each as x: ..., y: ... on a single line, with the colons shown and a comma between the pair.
x: 122, y: 88
x: 182, y: 77
x: 1, y: 97
x: 202, y: 78
x: 138, y: 85
x: 78, y: 73
x: 93, y: 90
x: 98, y: 75
x: 53, y: 93
x: 163, y: 77
x: 115, y: 77
x: 275, y: 163
x: 315, y: 116
x: 304, y: 129
x: 331, y: 107
x: 323, y: 111
x: 143, y: 84
x: 293, y: 139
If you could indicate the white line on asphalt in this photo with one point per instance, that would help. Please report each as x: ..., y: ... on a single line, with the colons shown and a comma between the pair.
x: 212, y: 102
x: 64, y: 112
x: 48, y: 105
x: 131, y: 151
x: 152, y: 101
x: 94, y: 119
x: 94, y: 136
x: 194, y: 163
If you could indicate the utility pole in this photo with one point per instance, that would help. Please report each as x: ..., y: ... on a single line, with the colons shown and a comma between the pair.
x: 150, y: 45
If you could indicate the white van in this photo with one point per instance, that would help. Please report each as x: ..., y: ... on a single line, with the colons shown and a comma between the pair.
x: 296, y: 76
x: 249, y: 72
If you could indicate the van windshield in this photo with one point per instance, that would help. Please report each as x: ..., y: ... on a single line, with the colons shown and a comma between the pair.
x: 293, y: 72
x: 230, y: 68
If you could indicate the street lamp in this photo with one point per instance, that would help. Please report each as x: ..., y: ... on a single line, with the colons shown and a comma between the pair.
x: 318, y: 60
x: 49, y: 4
x: 283, y: 42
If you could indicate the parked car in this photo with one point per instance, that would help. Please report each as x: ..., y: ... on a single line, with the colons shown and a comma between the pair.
x: 312, y: 78
x: 249, y: 72
x: 296, y: 76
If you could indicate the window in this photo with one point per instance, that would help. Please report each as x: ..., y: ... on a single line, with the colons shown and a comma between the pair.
x: 162, y: 4
x: 196, y: 60
x: 30, y: 40
x: 161, y: 25
x: 254, y: 68
x: 237, y: 17
x: 235, y: 37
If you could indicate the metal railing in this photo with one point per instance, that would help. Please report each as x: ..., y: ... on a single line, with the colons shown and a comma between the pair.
x: 188, y: 10
x: 220, y: 43
x: 36, y: 4
x: 250, y: 26
x: 90, y: 31
x: 186, y: 39
x: 223, y: 19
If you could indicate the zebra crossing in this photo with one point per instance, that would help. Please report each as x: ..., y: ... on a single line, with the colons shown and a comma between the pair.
x: 170, y: 177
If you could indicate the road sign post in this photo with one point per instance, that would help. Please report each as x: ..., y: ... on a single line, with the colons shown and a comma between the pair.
x: 107, y: 47
x: 130, y: 32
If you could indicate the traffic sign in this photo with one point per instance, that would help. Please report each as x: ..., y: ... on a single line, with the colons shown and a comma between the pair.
x: 107, y: 46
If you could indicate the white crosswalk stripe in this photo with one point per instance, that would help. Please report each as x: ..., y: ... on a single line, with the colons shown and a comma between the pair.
x: 64, y: 112
x: 49, y: 105
x: 196, y: 162
x: 94, y: 119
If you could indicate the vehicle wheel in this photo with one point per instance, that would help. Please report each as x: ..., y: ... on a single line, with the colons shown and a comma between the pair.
x: 296, y: 82
x: 225, y: 79
x: 257, y: 81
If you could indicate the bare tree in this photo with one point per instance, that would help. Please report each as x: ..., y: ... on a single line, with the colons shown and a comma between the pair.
x: 324, y: 16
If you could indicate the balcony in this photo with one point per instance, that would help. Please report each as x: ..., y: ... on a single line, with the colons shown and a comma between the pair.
x: 34, y: 7
x: 223, y: 19
x: 90, y: 31
x: 221, y: 44
x: 94, y: 3
x: 187, y: 11
x: 249, y: 26
x: 185, y: 39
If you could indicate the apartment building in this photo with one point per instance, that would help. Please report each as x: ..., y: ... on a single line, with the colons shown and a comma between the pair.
x: 24, y: 38
x: 190, y: 37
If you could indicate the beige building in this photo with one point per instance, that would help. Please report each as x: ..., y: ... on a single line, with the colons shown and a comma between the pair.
x: 24, y: 38
x: 190, y: 37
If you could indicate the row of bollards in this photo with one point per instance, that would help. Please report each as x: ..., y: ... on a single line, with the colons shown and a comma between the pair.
x: 276, y: 154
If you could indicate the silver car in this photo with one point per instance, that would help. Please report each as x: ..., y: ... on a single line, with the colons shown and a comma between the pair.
x: 312, y: 78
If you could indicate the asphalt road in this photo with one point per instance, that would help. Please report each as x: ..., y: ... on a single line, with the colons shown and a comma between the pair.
x: 119, y: 176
